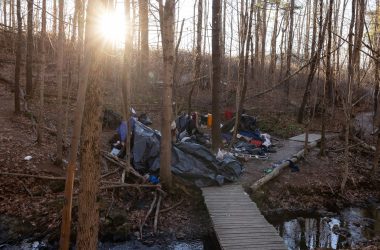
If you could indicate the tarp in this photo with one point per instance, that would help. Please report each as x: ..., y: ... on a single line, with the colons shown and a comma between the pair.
x: 191, y: 162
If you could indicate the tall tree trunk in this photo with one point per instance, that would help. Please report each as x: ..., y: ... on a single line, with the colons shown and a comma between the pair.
x: 144, y: 54
x: 314, y: 61
x: 12, y: 13
x: 289, y: 50
x: 18, y: 58
x: 5, y: 12
x: 273, y: 57
x: 167, y: 19
x: 55, y: 18
x: 329, y: 82
x: 359, y: 28
x: 216, y: 75
x: 263, y: 37
x: 126, y: 82
x: 377, y: 83
x: 88, y: 207
x: 29, y: 52
x: 42, y: 74
x: 59, y: 84
x: 75, y: 139
x: 198, y: 53
x: 306, y: 47
x: 348, y: 102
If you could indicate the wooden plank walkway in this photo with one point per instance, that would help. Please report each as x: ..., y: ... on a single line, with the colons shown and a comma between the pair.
x: 237, y: 221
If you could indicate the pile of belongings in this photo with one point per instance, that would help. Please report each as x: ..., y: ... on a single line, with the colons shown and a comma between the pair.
x: 193, y: 163
x: 187, y: 130
x: 251, y: 142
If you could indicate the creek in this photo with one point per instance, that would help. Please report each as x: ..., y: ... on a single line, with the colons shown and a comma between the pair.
x: 348, y: 228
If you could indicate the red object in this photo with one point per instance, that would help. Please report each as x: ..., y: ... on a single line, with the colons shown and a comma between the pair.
x: 228, y: 115
x: 257, y: 143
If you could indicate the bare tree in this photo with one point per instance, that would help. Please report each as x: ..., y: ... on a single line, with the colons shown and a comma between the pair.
x: 216, y: 74
x: 5, y: 12
x: 55, y: 18
x: 144, y: 54
x: 329, y: 80
x: 126, y: 82
x: 198, y: 54
x: 88, y: 207
x: 18, y: 58
x: 29, y: 52
x: 75, y: 139
x: 167, y: 19
x: 42, y: 74
x: 377, y: 86
x: 273, y: 58
x: 289, y: 50
x: 59, y: 83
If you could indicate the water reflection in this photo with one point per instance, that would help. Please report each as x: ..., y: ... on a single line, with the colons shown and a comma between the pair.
x: 348, y: 229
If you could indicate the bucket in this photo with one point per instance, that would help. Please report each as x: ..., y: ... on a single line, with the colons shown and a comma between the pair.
x: 209, y: 120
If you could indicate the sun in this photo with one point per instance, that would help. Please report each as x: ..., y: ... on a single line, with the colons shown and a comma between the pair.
x: 113, y: 27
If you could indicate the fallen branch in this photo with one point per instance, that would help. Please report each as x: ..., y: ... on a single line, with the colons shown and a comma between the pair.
x: 54, y: 178
x: 122, y: 164
x: 174, y: 206
x: 149, y: 212
x: 156, y: 215
x: 363, y: 144
x: 277, y: 170
x: 121, y: 185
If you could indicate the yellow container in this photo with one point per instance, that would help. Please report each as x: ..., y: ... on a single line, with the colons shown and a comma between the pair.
x: 209, y: 120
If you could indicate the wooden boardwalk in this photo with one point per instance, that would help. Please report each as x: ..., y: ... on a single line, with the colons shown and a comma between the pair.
x: 237, y: 221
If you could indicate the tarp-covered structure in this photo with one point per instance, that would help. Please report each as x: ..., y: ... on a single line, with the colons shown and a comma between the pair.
x: 191, y: 162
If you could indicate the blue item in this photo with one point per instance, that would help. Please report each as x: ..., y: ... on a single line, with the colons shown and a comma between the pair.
x: 122, y: 130
x: 251, y: 134
x: 153, y: 179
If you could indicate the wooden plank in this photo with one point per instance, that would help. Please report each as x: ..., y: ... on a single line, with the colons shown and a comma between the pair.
x: 237, y: 221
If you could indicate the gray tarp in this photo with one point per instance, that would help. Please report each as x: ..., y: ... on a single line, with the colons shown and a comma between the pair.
x: 190, y: 161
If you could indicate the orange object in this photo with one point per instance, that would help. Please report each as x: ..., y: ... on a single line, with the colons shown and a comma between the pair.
x: 209, y: 120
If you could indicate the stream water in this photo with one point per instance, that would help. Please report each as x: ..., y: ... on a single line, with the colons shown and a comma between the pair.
x: 345, y: 229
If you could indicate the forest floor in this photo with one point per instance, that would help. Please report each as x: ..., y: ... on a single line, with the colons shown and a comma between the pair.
x: 30, y: 208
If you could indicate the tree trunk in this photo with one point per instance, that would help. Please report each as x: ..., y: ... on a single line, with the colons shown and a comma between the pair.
x: 198, y: 52
x: 13, y: 13
x: 289, y: 51
x: 144, y: 54
x: 377, y: 83
x: 18, y: 58
x: 5, y: 12
x: 55, y: 18
x: 29, y: 52
x: 59, y: 84
x: 348, y: 102
x: 329, y: 81
x: 313, y: 63
x: 263, y: 37
x: 42, y: 74
x: 273, y: 57
x: 75, y: 139
x: 126, y: 83
x: 216, y: 75
x: 88, y: 207
x: 167, y: 19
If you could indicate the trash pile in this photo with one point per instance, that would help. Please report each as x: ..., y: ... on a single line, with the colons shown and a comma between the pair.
x: 251, y: 142
x: 191, y: 161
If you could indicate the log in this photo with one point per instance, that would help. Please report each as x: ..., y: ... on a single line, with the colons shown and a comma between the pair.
x: 255, y: 186
x: 363, y: 144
